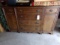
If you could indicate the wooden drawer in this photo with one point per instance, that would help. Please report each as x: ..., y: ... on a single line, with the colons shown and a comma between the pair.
x: 9, y: 9
x: 29, y: 28
x: 9, y: 13
x: 30, y: 13
x: 51, y: 10
x: 30, y: 22
x: 31, y: 16
x: 29, y: 9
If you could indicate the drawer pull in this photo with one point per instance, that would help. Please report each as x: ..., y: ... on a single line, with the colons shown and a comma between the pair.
x: 21, y: 28
x: 36, y: 22
x: 20, y: 10
x: 36, y: 28
x: 21, y: 16
x: 38, y: 10
x: 50, y: 10
x: 38, y: 17
x: 10, y: 10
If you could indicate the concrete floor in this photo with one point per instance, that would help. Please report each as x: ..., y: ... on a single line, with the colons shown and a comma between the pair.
x: 13, y: 38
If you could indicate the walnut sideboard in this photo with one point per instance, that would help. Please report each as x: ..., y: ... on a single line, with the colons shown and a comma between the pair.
x: 39, y: 19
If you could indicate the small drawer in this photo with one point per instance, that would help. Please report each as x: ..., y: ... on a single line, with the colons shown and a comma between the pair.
x: 25, y: 28
x: 30, y: 22
x: 19, y: 10
x: 8, y: 9
x: 36, y: 13
x: 10, y: 13
x: 33, y: 10
x: 29, y: 28
x: 51, y: 10
x: 31, y: 16
x: 29, y: 9
x: 22, y: 17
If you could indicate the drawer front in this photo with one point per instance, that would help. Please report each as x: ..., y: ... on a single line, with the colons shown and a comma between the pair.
x: 51, y: 10
x: 31, y: 16
x: 35, y: 23
x: 30, y: 22
x: 9, y: 13
x: 29, y: 28
x: 29, y: 9
x: 9, y: 9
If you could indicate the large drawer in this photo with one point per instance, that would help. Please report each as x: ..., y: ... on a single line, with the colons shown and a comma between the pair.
x: 30, y: 28
x: 31, y: 16
x: 30, y: 22
x: 9, y: 9
x: 29, y: 9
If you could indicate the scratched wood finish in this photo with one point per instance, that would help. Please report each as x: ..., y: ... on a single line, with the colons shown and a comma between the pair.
x: 51, y: 16
x: 10, y: 18
x: 27, y: 19
x: 24, y: 19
